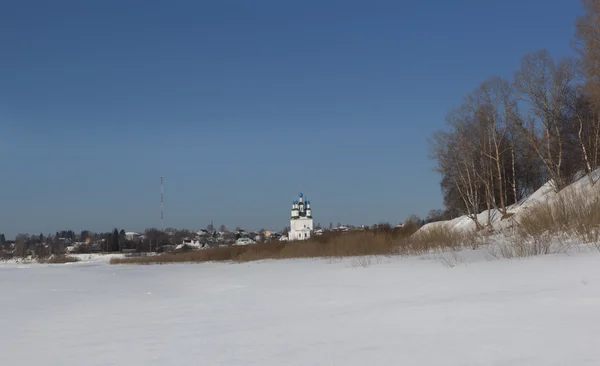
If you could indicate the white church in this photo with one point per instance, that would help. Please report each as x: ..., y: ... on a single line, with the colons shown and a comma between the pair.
x: 301, y: 223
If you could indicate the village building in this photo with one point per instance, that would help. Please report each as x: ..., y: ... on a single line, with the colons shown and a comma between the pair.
x: 301, y: 222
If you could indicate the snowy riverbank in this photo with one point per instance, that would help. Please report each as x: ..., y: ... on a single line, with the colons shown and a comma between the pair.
x: 382, y: 311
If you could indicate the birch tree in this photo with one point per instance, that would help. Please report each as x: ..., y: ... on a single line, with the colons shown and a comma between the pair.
x: 588, y: 45
x: 497, y: 109
x: 544, y: 86
x: 586, y: 128
x: 457, y: 159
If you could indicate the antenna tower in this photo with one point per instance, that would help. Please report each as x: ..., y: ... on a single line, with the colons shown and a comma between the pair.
x: 162, y: 205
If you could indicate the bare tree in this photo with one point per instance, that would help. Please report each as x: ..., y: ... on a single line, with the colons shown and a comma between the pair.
x: 585, y: 127
x: 456, y: 159
x: 21, y: 245
x: 544, y: 86
x: 435, y: 215
x: 497, y: 109
x: 485, y: 173
x: 588, y: 45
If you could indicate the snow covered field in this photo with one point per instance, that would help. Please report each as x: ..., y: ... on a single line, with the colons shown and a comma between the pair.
x: 395, y: 311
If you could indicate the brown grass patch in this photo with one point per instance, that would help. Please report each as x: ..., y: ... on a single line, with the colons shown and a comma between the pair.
x: 575, y: 214
x: 520, y: 247
x: 329, y: 245
x: 441, y: 237
x: 363, y: 244
x: 550, y: 227
x: 341, y: 245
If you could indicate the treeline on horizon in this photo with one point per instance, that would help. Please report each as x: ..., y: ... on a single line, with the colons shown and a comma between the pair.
x: 116, y: 239
x: 152, y: 233
x: 112, y: 241
x: 511, y: 136
x: 153, y: 239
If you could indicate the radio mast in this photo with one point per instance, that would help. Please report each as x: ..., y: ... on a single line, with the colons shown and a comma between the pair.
x: 162, y: 205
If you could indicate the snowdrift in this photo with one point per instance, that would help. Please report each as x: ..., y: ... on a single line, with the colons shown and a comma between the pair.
x: 545, y: 194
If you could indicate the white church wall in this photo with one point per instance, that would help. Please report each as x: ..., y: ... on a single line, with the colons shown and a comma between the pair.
x: 301, y: 226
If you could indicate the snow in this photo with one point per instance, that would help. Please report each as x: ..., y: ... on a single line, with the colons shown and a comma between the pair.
x: 97, y: 257
x: 189, y: 244
x: 544, y: 194
x: 362, y: 311
x: 85, y: 258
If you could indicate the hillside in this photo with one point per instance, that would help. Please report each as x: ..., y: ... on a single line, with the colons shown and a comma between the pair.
x: 544, y: 195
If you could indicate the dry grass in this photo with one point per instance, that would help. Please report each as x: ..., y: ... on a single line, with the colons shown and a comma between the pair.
x: 342, y: 245
x: 361, y: 262
x: 220, y: 254
x: 345, y: 245
x: 451, y: 259
x: 441, y: 237
x: 543, y: 228
x: 58, y: 259
x: 550, y: 227
x: 575, y: 214
x: 520, y: 247
x: 362, y: 245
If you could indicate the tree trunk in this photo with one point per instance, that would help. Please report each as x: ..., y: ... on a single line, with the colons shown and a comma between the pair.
x: 596, y: 141
x: 500, y: 182
x: 561, y: 182
x: 588, y: 167
x: 514, y: 175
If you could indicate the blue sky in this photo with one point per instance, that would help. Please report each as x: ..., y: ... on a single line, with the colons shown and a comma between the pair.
x: 240, y: 104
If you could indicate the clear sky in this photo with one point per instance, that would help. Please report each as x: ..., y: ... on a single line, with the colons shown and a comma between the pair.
x: 241, y: 104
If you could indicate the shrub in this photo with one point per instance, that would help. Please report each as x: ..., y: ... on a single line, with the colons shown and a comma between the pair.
x: 574, y: 213
x: 519, y: 247
x: 441, y: 237
x: 4, y: 255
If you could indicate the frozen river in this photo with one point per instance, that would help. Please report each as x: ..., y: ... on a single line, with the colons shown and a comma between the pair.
x: 539, y: 311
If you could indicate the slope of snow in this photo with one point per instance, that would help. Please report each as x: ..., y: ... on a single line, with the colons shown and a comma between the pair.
x: 544, y: 194
x: 398, y: 311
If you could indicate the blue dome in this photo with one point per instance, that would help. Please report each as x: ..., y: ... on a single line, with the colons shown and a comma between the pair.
x: 301, y: 195
x: 307, y: 202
